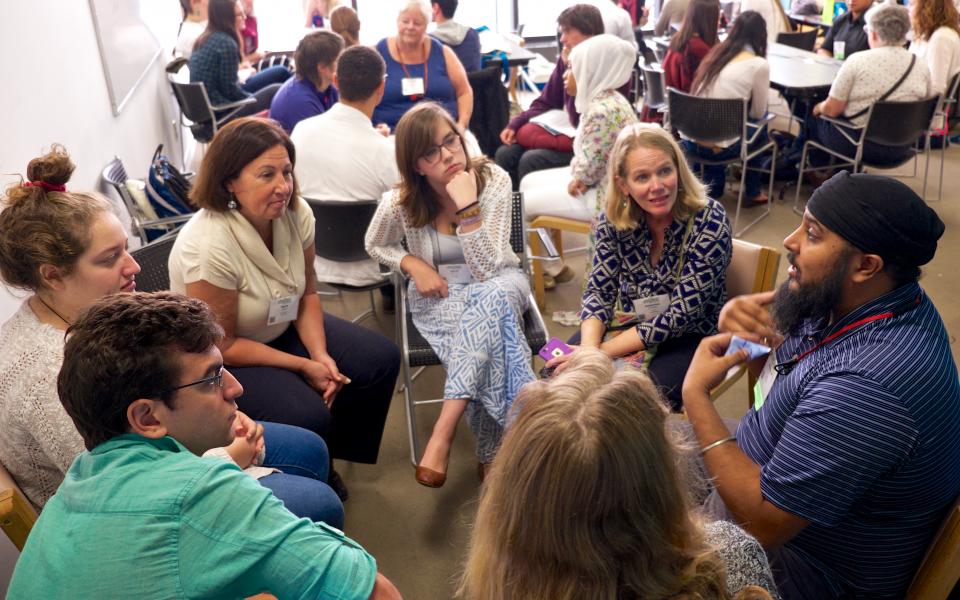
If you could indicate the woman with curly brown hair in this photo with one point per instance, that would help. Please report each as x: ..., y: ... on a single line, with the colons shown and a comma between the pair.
x: 936, y: 40
x: 585, y: 500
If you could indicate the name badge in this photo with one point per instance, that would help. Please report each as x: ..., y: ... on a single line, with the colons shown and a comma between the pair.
x: 765, y: 382
x: 412, y: 86
x: 649, y: 307
x: 839, y: 50
x: 455, y: 273
x: 283, y: 310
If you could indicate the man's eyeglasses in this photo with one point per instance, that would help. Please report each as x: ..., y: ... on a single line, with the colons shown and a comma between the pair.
x: 213, y: 380
x: 452, y: 143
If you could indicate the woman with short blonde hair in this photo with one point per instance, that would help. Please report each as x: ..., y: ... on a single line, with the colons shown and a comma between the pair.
x: 662, y: 250
x: 586, y: 500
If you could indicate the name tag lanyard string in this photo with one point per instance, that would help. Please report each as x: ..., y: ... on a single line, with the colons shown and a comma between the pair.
x: 426, y: 64
x: 786, y: 366
x: 683, y: 256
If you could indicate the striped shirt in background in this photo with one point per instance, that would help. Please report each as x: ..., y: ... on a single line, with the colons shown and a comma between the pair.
x: 862, y: 438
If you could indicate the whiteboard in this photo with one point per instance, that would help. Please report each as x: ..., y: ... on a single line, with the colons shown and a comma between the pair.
x: 127, y: 47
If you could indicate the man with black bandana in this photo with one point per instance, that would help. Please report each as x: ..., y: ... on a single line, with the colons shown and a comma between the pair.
x: 848, y: 460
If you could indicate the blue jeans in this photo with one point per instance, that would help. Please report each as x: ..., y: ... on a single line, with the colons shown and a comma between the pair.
x: 302, y: 457
x: 715, y: 176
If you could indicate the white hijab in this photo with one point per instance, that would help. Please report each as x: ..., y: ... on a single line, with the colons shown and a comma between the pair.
x: 603, y: 62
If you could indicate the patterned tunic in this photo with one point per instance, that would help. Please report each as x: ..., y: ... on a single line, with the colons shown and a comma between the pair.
x: 622, y: 271
x: 476, y: 330
x: 743, y: 557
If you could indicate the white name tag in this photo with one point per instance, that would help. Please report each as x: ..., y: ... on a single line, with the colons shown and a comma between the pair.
x: 412, y: 86
x: 283, y: 310
x: 765, y: 382
x: 650, y: 306
x: 839, y: 50
x: 455, y: 273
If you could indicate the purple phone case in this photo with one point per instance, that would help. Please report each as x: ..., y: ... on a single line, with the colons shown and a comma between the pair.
x: 554, y: 348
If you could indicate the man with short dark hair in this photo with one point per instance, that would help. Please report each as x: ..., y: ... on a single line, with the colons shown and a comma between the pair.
x: 340, y: 156
x: 312, y: 91
x: 848, y: 459
x: 140, y: 514
x: 463, y: 40
x: 847, y: 36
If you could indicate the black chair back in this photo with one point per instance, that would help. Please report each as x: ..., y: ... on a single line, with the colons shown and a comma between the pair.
x: 706, y: 120
x: 341, y: 226
x: 804, y: 40
x: 194, y: 102
x: 154, y: 273
x: 491, y: 107
x: 654, y: 96
x: 900, y: 124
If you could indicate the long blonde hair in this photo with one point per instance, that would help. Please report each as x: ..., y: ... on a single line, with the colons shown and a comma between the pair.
x: 623, y: 212
x: 584, y: 499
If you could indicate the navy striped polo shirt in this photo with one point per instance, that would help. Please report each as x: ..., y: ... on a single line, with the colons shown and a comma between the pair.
x: 862, y: 438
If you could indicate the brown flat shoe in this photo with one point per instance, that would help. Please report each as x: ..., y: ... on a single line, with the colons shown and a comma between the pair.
x: 430, y: 478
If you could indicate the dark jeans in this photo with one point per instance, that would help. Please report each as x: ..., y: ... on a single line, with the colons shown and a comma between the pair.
x: 669, y: 365
x: 827, y: 135
x: 354, y: 427
x: 715, y: 176
x: 304, y: 463
x: 518, y: 161
x: 263, y: 86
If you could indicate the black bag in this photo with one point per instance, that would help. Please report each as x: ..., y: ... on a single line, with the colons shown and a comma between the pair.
x: 167, y: 188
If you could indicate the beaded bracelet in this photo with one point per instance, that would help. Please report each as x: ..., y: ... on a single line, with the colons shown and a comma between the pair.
x: 470, y: 210
x: 464, y: 221
x: 720, y: 442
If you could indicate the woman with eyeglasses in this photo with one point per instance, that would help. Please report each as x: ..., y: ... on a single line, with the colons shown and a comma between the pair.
x: 467, y: 293
x: 69, y: 249
x: 216, y: 58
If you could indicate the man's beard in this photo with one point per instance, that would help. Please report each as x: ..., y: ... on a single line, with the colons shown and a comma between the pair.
x: 791, y: 308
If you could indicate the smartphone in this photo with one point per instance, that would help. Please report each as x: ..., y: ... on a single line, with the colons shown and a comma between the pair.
x: 554, y: 348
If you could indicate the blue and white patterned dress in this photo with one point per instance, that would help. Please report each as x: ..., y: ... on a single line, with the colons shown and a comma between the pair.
x: 477, y: 329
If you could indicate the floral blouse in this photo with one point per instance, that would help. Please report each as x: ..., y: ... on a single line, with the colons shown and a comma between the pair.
x: 607, y: 115
x: 622, y: 270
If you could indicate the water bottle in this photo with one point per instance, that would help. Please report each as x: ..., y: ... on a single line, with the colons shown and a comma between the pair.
x: 839, y: 7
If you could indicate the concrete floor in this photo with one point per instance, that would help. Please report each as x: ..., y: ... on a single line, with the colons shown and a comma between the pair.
x: 419, y: 535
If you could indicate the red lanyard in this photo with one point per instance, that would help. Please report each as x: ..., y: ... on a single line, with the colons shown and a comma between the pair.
x: 787, y: 366
x: 426, y: 65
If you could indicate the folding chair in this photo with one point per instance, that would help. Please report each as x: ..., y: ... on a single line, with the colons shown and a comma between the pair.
x: 712, y: 120
x: 205, y: 118
x: 654, y: 98
x: 894, y: 124
x: 416, y: 352
x: 804, y: 40
x: 154, y: 275
x: 341, y: 225
x: 940, y: 569
x: 16, y: 514
x: 941, y: 116
x: 148, y: 227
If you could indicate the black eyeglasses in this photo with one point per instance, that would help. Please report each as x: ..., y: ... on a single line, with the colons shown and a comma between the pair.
x: 452, y: 143
x: 216, y: 380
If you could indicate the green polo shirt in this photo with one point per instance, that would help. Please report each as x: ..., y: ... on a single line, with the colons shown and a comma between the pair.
x: 141, y: 518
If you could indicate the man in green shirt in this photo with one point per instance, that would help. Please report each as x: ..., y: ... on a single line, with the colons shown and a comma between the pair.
x: 141, y: 515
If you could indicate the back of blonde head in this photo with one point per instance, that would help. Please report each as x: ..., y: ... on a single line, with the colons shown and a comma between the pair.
x: 584, y: 499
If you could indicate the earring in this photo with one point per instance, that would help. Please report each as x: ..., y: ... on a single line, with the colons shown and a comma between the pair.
x: 232, y: 204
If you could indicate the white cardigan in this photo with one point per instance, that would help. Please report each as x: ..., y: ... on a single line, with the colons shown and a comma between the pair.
x: 486, y: 249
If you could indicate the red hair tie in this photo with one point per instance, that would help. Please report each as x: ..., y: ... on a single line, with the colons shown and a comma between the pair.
x: 50, y: 187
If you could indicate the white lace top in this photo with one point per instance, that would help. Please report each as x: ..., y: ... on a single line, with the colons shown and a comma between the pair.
x: 38, y: 441
x: 486, y: 249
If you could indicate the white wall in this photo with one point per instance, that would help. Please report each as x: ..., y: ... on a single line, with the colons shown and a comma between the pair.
x: 53, y: 90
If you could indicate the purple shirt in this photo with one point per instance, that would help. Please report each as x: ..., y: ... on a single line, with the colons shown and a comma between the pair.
x: 298, y: 99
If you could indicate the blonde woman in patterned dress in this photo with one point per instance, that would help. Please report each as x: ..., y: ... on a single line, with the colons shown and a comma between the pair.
x: 467, y: 293
x: 598, y: 67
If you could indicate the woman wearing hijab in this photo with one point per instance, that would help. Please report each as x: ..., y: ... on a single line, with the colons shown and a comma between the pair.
x: 598, y: 67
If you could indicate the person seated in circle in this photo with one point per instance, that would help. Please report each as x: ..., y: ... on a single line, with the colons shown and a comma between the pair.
x: 660, y: 264
x: 145, y: 384
x: 312, y: 91
x: 467, y: 294
x: 886, y: 71
x: 617, y: 522
x: 69, y: 249
x: 249, y: 253
x: 697, y: 35
x: 420, y: 67
x: 216, y: 58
